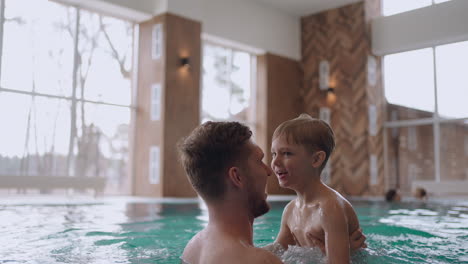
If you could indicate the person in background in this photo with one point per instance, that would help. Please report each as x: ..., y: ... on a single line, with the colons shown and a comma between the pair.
x: 420, y: 193
x: 392, y: 195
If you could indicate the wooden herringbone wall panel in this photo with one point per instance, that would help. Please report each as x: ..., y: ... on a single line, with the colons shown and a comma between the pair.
x: 341, y: 37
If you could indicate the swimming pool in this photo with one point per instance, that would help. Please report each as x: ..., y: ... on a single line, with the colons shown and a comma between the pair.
x: 150, y: 231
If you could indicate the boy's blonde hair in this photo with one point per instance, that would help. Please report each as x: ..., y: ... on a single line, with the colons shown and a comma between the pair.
x: 314, y: 134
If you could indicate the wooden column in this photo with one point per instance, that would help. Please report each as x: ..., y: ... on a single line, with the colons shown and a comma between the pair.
x: 180, y: 103
x: 278, y: 99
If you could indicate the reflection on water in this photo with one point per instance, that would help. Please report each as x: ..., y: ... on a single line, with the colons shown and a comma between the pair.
x: 151, y: 232
x: 416, y: 232
x: 93, y: 233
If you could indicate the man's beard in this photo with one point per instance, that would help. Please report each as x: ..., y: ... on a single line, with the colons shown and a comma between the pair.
x: 258, y: 205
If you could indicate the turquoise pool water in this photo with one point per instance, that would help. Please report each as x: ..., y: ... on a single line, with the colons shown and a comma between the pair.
x: 126, y: 231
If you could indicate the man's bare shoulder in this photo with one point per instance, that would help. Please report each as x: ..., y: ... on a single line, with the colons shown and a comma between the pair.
x: 193, y: 248
x: 202, y: 249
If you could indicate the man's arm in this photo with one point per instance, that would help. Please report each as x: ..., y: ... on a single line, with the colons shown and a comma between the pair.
x: 335, y: 226
x: 357, y: 240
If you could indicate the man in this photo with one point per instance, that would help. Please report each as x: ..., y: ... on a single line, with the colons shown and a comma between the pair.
x: 226, y: 169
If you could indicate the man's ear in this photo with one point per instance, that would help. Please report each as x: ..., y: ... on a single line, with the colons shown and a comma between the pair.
x: 318, y: 158
x: 235, y: 177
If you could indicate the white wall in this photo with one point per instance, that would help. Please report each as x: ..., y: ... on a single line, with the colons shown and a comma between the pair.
x: 421, y: 28
x: 245, y: 22
x: 240, y: 21
x: 137, y: 10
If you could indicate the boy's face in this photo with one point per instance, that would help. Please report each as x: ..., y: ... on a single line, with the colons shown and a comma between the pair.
x: 291, y: 163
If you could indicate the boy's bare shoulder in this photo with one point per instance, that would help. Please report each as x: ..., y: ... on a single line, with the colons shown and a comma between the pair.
x: 336, y: 208
x: 333, y: 203
x: 333, y: 197
x: 287, y: 211
x: 290, y: 206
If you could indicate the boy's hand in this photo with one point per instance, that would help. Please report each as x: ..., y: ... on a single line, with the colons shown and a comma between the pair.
x: 357, y: 240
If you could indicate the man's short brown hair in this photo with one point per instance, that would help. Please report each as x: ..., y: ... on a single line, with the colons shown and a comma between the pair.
x: 314, y: 134
x: 209, y: 151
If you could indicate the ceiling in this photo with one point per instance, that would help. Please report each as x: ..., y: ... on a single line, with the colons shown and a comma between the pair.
x: 305, y: 7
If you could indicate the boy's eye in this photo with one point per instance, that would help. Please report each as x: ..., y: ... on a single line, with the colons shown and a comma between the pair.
x: 287, y: 153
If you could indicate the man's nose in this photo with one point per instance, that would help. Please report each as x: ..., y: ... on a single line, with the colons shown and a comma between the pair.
x: 269, y: 170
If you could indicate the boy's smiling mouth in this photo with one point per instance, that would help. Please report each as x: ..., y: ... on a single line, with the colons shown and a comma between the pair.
x: 281, y: 174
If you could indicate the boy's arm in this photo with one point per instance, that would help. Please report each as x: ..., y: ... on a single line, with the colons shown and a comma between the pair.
x: 335, y: 226
x: 285, y: 237
x: 357, y: 240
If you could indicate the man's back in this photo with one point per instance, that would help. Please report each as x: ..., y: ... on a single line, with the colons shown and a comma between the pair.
x: 216, y: 247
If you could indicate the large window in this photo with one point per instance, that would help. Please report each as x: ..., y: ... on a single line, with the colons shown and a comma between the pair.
x: 409, y: 80
x: 428, y: 115
x: 392, y: 7
x: 227, y: 90
x: 410, y: 75
x: 452, y: 87
x: 65, y: 92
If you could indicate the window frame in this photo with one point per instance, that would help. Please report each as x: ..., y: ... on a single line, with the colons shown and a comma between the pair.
x: 216, y: 41
x: 74, y: 98
x: 436, y: 121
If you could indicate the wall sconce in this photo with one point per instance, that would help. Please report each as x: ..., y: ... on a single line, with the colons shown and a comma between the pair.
x: 185, y: 62
x: 330, y: 96
x: 325, y: 84
x: 324, y: 72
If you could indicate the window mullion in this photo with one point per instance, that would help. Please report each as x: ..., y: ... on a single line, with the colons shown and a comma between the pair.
x: 73, y: 97
x: 436, y: 125
x: 2, y: 20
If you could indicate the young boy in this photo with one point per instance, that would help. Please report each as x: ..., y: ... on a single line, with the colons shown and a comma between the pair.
x: 300, y: 150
